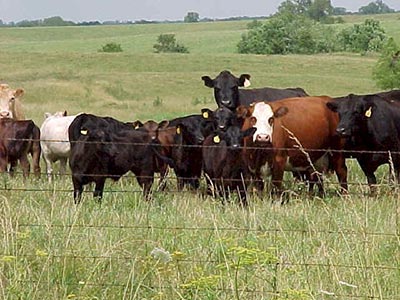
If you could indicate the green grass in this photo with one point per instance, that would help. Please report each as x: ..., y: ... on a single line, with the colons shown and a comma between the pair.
x: 53, y: 249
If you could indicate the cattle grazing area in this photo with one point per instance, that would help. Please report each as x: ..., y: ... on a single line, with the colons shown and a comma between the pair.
x: 153, y: 225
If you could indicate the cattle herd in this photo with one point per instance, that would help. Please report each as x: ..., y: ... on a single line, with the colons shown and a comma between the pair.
x: 252, y: 134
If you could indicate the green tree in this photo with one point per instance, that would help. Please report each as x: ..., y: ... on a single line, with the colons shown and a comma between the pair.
x: 377, y: 7
x: 386, y: 72
x: 369, y: 36
x: 191, y: 17
x: 320, y: 9
x: 167, y: 43
x: 315, y: 9
x: 284, y: 34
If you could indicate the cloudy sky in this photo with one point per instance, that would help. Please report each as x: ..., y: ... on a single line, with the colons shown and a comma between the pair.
x: 103, y: 10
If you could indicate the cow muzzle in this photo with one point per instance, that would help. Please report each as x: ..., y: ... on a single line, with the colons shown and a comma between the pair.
x: 5, y: 114
x: 342, y: 131
x: 263, y: 138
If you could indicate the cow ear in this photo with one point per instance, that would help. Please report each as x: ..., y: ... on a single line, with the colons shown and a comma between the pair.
x: 137, y: 124
x: 333, y: 106
x: 163, y: 124
x: 249, y: 132
x: 19, y: 93
x: 281, y: 111
x: 206, y: 113
x: 47, y: 114
x: 208, y: 81
x: 242, y: 111
x: 244, y: 80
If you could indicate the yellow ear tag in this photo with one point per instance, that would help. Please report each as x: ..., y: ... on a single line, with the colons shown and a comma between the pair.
x: 205, y: 115
x: 216, y: 139
x: 368, y: 113
x: 178, y: 130
x: 84, y: 132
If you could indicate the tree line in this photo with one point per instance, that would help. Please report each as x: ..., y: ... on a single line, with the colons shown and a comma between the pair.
x: 320, y: 10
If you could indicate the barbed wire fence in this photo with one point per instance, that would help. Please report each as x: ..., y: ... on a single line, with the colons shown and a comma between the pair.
x: 8, y: 185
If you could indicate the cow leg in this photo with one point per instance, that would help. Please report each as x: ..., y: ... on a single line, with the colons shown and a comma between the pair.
x: 63, y: 165
x: 369, y: 168
x: 339, y: 165
x: 316, y: 179
x: 98, y: 190
x: 278, y: 168
x: 25, y: 165
x: 78, y: 189
x: 49, y: 167
x: 145, y: 180
x: 162, y: 183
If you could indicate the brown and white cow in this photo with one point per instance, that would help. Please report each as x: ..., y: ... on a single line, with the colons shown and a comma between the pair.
x: 299, y: 132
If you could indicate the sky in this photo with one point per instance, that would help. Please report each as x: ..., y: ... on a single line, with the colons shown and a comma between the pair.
x: 156, y: 10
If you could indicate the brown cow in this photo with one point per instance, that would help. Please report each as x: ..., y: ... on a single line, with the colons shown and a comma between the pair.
x: 299, y: 131
x: 17, y: 138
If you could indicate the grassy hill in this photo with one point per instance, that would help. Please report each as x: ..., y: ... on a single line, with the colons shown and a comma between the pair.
x: 60, y: 67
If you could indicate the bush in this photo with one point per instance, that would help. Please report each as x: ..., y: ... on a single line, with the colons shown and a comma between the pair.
x: 386, y: 72
x: 111, y: 47
x: 369, y: 36
x: 167, y: 43
x: 284, y: 34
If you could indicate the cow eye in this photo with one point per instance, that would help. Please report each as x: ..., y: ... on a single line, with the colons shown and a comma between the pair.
x: 253, y: 121
x: 271, y: 121
x: 12, y: 99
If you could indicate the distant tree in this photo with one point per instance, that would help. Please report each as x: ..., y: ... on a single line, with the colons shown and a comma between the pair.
x: 369, y: 36
x: 111, y: 47
x: 318, y: 10
x: 339, y: 11
x: 386, y: 72
x: 191, y: 17
x: 167, y: 43
x: 284, y: 34
x: 56, y: 21
x: 377, y: 7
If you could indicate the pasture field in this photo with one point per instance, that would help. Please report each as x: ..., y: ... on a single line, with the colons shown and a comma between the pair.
x: 184, y: 245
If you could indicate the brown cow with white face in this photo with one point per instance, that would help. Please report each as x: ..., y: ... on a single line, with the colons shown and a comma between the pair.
x: 298, y: 132
x: 10, y: 105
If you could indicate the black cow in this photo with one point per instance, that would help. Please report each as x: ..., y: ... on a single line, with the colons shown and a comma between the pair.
x: 370, y: 124
x: 108, y: 150
x: 223, y: 162
x: 17, y: 139
x: 391, y: 96
x: 181, y: 147
x: 227, y: 92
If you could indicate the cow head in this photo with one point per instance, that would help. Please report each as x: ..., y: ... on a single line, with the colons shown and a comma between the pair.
x: 261, y: 116
x: 353, y: 113
x: 8, y: 101
x: 222, y: 118
x: 226, y: 88
x: 151, y: 127
x: 233, y: 136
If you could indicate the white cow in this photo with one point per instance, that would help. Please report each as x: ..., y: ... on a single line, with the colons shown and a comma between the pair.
x: 54, y: 140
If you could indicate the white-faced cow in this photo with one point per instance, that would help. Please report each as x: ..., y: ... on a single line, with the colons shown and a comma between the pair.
x: 227, y: 92
x: 299, y: 134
